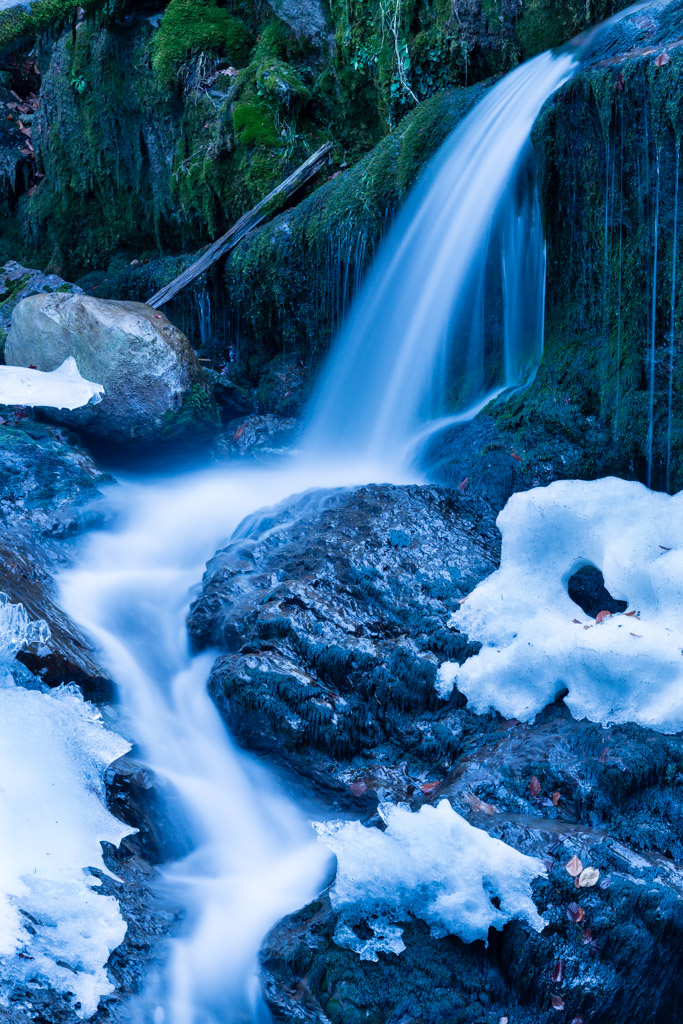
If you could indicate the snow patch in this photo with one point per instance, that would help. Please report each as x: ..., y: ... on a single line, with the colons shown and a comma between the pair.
x: 63, y: 388
x: 55, y: 931
x: 431, y: 865
x: 537, y: 642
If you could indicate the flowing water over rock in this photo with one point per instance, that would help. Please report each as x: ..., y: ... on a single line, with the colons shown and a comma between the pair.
x: 253, y: 856
x: 427, y: 300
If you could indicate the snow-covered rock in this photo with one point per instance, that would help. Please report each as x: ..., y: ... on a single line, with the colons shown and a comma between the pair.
x: 63, y: 388
x: 431, y: 865
x: 55, y: 929
x: 538, y: 643
x: 154, y: 386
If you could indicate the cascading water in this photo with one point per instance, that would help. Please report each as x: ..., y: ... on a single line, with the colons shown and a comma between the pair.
x: 253, y: 857
x: 419, y: 292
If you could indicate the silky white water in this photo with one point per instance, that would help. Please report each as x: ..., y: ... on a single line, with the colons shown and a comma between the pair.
x: 254, y: 857
x: 428, y: 292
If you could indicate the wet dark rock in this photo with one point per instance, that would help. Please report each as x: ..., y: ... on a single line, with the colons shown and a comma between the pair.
x: 587, y: 589
x: 49, y: 495
x: 331, y: 612
x: 617, y: 807
x: 256, y: 436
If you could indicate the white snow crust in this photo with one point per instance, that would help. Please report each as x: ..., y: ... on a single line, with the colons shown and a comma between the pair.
x: 537, y: 642
x: 56, y: 931
x: 431, y: 865
x: 63, y: 388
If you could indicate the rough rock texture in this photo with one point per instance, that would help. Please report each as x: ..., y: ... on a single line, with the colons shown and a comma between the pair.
x: 618, y: 794
x: 49, y: 494
x: 154, y: 386
x: 331, y: 612
x: 17, y: 283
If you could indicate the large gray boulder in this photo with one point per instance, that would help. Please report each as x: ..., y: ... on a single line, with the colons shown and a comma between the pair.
x: 154, y: 386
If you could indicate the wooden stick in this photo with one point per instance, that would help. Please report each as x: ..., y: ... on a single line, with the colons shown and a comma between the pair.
x: 244, y: 225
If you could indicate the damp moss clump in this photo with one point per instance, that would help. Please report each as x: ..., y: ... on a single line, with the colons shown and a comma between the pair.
x: 191, y: 27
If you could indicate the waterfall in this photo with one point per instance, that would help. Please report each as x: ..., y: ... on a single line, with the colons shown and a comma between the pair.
x: 426, y: 280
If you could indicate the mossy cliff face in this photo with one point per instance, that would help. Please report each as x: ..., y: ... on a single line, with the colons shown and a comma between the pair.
x: 158, y: 127
x: 612, y: 372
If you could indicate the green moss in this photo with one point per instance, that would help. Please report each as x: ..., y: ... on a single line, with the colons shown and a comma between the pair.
x: 281, y: 84
x: 544, y: 24
x: 25, y: 23
x: 254, y: 124
x: 198, y: 411
x: 191, y: 27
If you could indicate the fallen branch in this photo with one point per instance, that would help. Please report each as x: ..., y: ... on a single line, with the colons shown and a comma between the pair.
x: 244, y: 225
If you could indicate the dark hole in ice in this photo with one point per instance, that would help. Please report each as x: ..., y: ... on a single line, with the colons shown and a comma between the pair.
x: 362, y: 930
x: 587, y: 589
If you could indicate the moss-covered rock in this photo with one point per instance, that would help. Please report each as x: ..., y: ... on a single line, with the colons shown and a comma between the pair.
x: 192, y: 27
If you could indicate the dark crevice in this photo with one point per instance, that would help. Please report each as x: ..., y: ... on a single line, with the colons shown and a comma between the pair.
x: 587, y: 589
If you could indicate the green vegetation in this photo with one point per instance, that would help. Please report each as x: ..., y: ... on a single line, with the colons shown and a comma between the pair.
x: 192, y: 27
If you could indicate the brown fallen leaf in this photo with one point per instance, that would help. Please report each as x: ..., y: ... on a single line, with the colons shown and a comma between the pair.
x: 463, y: 485
x: 238, y: 433
x: 576, y: 621
x: 558, y: 972
x: 479, y: 805
x: 638, y: 636
x: 358, y: 788
x: 587, y: 936
x: 556, y: 797
x: 574, y: 867
x: 557, y: 1002
x: 429, y: 787
x: 575, y: 913
x: 514, y: 455
x: 589, y: 877
x: 587, y: 627
x: 534, y: 786
x: 632, y: 615
x: 662, y: 60
x: 601, y: 616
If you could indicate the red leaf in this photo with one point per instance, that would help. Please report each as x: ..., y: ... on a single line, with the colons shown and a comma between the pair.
x: 514, y: 455
x: 238, y: 433
x: 601, y: 616
x: 429, y: 787
x: 557, y: 1002
x: 462, y: 486
x: 558, y: 972
x: 534, y: 786
x: 555, y: 797
x: 575, y: 913
x: 662, y: 60
x: 587, y: 936
x: 358, y: 788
